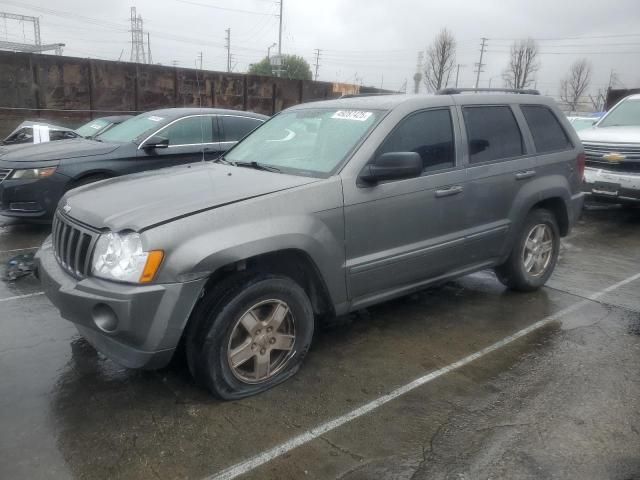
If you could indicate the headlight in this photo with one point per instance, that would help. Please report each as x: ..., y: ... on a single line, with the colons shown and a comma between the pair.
x: 33, y: 173
x: 120, y: 257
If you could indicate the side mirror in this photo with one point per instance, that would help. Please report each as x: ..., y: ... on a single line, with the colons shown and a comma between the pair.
x: 392, y: 166
x: 156, y: 141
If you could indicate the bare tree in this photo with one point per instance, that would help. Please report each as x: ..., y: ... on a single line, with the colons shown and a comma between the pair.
x: 575, y: 84
x: 523, y: 64
x: 441, y: 58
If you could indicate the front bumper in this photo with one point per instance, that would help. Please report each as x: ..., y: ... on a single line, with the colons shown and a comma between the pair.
x: 612, y: 186
x: 149, y: 319
x: 35, y: 198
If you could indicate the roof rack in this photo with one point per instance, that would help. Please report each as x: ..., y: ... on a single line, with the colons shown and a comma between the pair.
x: 455, y: 91
x: 372, y: 94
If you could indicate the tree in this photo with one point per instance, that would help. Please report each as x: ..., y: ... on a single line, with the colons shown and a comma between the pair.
x: 293, y: 67
x: 523, y: 64
x: 441, y: 58
x: 576, y: 82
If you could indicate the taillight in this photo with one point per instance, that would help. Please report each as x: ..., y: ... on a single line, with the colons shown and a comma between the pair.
x: 580, y: 164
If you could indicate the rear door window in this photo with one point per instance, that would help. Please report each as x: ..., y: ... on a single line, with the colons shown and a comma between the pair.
x: 236, y: 128
x: 548, y: 134
x: 493, y: 133
x: 429, y: 133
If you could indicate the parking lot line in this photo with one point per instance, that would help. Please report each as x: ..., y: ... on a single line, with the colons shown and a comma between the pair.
x: 299, y: 440
x: 18, y: 297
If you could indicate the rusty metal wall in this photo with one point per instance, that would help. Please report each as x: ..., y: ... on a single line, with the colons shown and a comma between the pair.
x: 71, y: 91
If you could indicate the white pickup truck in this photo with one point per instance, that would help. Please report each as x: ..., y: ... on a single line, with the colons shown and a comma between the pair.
x: 612, y: 149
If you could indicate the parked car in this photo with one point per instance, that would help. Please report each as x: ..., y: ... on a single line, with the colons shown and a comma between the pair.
x: 327, y: 208
x: 24, y: 133
x: 580, y: 123
x: 33, y: 179
x: 100, y: 125
x: 612, y: 149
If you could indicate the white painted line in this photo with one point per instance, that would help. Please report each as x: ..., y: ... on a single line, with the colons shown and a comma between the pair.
x: 19, y: 249
x: 268, y: 455
x: 19, y: 297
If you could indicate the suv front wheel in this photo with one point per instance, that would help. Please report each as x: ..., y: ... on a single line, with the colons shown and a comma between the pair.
x: 248, y: 334
x: 534, y: 254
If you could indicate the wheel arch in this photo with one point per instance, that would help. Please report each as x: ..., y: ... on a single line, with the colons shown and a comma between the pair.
x: 289, y: 262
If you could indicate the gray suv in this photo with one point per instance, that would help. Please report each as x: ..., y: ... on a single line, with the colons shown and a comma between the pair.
x: 327, y: 208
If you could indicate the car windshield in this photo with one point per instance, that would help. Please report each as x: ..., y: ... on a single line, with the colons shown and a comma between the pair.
x: 132, y: 129
x: 582, y: 123
x: 625, y: 114
x: 309, y: 142
x: 91, y: 128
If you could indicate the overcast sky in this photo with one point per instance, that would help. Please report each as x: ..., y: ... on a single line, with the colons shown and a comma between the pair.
x: 370, y: 41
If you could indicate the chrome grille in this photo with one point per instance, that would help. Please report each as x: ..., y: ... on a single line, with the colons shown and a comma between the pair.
x: 73, y: 245
x: 595, y: 151
x: 4, y: 173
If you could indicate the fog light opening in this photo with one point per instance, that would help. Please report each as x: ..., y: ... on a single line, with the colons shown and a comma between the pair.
x: 105, y: 318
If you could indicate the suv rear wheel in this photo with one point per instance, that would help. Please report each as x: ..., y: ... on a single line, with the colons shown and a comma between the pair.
x: 248, y: 334
x: 534, y: 255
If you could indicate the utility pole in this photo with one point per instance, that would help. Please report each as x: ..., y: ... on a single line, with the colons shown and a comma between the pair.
x: 458, y: 74
x: 317, y: 64
x: 149, y: 49
x: 200, y: 59
x: 280, y: 42
x: 228, y: 45
x: 479, y: 65
x: 417, y: 77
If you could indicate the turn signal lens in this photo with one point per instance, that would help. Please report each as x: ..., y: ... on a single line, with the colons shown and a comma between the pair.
x: 154, y: 259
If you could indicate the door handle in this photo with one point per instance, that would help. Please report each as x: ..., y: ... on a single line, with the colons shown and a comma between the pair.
x: 525, y: 174
x: 447, y: 192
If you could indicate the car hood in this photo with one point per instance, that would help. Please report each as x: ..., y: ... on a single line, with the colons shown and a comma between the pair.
x: 58, y: 150
x: 630, y: 134
x: 143, y: 200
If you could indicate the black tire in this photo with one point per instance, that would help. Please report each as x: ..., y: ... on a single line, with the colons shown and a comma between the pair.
x: 513, y: 273
x: 213, y: 321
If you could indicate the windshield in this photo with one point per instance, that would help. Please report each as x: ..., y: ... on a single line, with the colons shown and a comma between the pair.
x: 130, y: 130
x: 582, y: 123
x: 625, y: 114
x: 91, y: 128
x: 306, y: 142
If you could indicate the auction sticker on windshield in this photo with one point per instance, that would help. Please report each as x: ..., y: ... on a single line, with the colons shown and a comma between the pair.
x: 352, y: 115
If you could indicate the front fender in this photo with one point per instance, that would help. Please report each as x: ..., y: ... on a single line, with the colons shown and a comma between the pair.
x: 312, y: 223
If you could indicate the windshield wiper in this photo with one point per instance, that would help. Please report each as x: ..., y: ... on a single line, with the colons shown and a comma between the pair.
x: 223, y: 160
x: 258, y: 166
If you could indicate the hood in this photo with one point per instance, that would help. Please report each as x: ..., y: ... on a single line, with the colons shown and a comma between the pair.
x: 58, y: 150
x: 630, y: 134
x: 146, y: 199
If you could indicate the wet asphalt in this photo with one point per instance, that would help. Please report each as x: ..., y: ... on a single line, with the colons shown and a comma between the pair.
x: 560, y: 402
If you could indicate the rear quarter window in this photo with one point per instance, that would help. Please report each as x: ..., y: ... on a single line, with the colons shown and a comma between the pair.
x: 547, y: 132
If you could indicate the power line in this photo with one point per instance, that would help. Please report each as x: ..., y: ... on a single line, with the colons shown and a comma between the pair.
x: 548, y: 39
x: 226, y: 9
x: 574, y: 53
